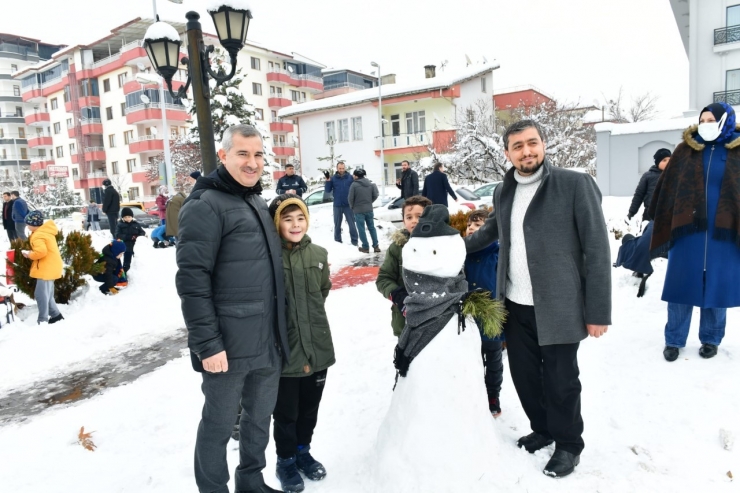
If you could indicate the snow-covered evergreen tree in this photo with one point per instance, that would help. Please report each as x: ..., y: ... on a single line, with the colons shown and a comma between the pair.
x: 186, y: 158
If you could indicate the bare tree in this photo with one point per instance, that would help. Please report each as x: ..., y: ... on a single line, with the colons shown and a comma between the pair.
x: 119, y: 181
x: 644, y: 107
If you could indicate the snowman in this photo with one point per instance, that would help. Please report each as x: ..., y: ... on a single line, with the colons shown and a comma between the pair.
x: 438, y: 434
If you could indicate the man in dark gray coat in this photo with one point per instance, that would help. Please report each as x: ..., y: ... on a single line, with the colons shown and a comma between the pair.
x: 362, y: 194
x: 646, y: 186
x: 409, y: 181
x: 554, y: 274
x: 230, y: 281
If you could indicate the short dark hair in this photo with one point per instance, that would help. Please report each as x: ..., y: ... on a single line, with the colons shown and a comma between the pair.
x: 289, y: 166
x: 415, y: 200
x: 406, y: 161
x: 437, y: 165
x: 6, y: 193
x: 477, y: 215
x: 290, y: 208
x: 16, y: 193
x: 521, y: 126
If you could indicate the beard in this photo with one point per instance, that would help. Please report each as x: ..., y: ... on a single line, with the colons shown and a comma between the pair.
x: 529, y: 169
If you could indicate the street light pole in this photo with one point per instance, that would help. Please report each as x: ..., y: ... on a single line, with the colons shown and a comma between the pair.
x: 18, y: 162
x: 380, y: 131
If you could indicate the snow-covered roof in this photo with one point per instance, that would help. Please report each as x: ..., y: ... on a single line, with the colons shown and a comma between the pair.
x: 389, y: 90
x: 593, y: 116
x: 647, y: 126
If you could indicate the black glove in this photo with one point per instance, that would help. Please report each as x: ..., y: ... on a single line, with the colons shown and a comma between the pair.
x: 398, y: 297
x: 327, y: 175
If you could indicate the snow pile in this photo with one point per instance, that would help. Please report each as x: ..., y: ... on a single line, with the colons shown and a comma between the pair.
x: 162, y: 30
x: 215, y: 5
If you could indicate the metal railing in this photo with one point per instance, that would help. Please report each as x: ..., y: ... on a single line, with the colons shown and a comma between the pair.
x: 293, y: 75
x: 724, y: 35
x: 88, y: 121
x: 730, y: 97
x: 144, y: 138
x: 40, y: 159
x: 130, y: 46
x: 30, y: 87
x: 278, y: 95
x: 310, y: 77
x: 168, y: 106
x: 51, y: 82
x: 95, y: 149
x: 338, y: 85
x: 405, y: 140
x: 21, y: 50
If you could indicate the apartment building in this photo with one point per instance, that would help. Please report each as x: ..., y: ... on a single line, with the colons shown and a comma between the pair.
x: 415, y: 115
x: 16, y: 116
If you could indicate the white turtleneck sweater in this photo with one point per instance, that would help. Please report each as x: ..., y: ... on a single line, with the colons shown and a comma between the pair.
x: 518, y: 282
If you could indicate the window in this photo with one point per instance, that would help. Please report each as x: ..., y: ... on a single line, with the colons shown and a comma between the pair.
x: 109, y: 113
x: 357, y: 128
x: 122, y: 79
x: 416, y: 122
x: 733, y: 15
x: 303, y: 96
x: 276, y: 92
x: 270, y: 66
x: 173, y: 132
x: 259, y: 114
x: 60, y: 151
x: 114, y: 168
x: 2, y: 133
x: 5, y: 156
x: 295, y: 96
x: 732, y: 81
x: 21, y: 133
x: 106, y: 85
x: 128, y: 136
x: 112, y: 140
x: 482, y: 84
x: 57, y: 127
x: 273, y: 114
x: 75, y: 173
x: 133, y: 193
x: 70, y: 124
x: 256, y: 64
x: 13, y: 67
x: 329, y: 133
x: 18, y: 111
x: 71, y: 148
x: 343, y: 130
x: 130, y: 165
x: 257, y: 88
x: 54, y: 103
x: 16, y: 90
x: 24, y: 153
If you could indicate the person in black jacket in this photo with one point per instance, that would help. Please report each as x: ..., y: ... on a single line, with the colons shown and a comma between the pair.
x: 111, y: 205
x: 644, y: 192
x: 436, y: 186
x: 8, y: 223
x: 230, y: 282
x: 291, y: 183
x: 127, y: 230
x: 409, y: 181
x: 111, y: 257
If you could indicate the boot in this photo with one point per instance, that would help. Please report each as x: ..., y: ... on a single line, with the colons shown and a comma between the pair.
x: 56, y: 319
x: 263, y: 488
x: 364, y: 250
x: 533, y: 442
x: 671, y: 353
x: 494, y: 405
x: 287, y: 473
x: 309, y: 466
x: 561, y: 464
x: 156, y: 243
x: 376, y: 249
x: 706, y: 351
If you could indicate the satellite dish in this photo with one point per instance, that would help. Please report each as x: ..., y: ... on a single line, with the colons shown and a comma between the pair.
x: 468, y: 61
x: 442, y: 66
x: 144, y: 99
x: 141, y: 66
x: 485, y: 60
x: 291, y: 69
x: 596, y: 103
x: 153, y: 130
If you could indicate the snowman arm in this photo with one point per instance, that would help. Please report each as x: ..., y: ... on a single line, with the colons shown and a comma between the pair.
x: 486, y: 235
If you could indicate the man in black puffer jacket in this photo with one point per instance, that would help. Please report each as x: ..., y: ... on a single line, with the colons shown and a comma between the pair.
x: 644, y: 192
x: 111, y: 205
x: 230, y: 281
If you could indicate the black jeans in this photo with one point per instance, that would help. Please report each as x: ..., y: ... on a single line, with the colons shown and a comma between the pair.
x: 127, y: 256
x: 493, y: 365
x: 257, y: 391
x: 297, y: 411
x: 112, y: 222
x: 12, y: 235
x: 546, y: 380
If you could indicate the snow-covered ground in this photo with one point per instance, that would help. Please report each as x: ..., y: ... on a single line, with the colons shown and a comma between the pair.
x: 650, y: 426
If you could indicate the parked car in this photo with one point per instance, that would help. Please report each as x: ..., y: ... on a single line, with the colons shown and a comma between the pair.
x: 485, y: 192
x: 134, y: 204
x: 318, y: 199
x: 470, y: 199
x: 146, y: 220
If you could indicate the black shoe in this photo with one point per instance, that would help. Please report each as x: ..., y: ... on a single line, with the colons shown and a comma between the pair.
x: 364, y: 250
x: 287, y: 472
x: 706, y: 351
x: 671, y: 353
x: 156, y: 244
x: 533, y: 442
x: 313, y: 469
x: 376, y: 249
x: 262, y: 489
x: 494, y: 405
x: 59, y: 317
x: 561, y: 464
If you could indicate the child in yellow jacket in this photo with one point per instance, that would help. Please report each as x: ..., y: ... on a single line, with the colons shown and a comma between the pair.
x: 47, y: 265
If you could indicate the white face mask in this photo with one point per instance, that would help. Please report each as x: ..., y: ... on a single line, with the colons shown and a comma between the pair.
x: 712, y: 130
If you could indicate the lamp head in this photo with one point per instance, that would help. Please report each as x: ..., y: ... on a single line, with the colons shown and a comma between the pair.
x: 162, y: 44
x: 232, y: 25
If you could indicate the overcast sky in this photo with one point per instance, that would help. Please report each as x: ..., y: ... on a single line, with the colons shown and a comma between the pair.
x: 576, y: 50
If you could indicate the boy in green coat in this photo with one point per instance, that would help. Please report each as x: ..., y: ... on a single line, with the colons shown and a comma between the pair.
x: 307, y: 284
x: 390, y: 276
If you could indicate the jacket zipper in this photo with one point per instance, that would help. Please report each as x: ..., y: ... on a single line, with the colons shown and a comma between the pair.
x: 706, y: 210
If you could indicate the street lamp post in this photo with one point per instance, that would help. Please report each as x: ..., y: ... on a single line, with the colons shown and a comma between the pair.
x: 162, y: 44
x: 169, y: 174
x: 18, y: 162
x: 380, y: 131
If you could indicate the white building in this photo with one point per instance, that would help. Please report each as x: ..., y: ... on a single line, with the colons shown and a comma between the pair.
x: 415, y: 116
x: 710, y: 31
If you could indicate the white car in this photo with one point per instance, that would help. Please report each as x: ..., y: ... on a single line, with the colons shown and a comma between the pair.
x: 318, y: 199
x: 485, y: 192
x: 470, y: 199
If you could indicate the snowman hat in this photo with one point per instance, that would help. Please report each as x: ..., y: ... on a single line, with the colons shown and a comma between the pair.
x: 434, y: 221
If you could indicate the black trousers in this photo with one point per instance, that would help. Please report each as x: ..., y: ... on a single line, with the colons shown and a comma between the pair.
x: 127, y: 256
x: 296, y: 412
x: 12, y: 235
x: 493, y: 365
x: 546, y: 380
x: 112, y: 222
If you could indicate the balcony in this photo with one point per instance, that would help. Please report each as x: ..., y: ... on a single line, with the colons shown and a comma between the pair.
x: 75, y: 158
x: 310, y: 82
x: 730, y: 34
x: 93, y: 180
x: 72, y: 132
x: 139, y: 177
x: 440, y: 140
x: 91, y: 126
x: 53, y: 85
x: 89, y: 101
x: 278, y: 101
x: 32, y: 94
x: 94, y: 154
x: 147, y: 143
x: 40, y: 141
x: 281, y: 149
x: 151, y: 113
x: 40, y: 163
x: 730, y: 97
x: 38, y: 119
x: 277, y: 127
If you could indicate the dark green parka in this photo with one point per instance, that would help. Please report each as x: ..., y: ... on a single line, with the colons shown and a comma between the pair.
x: 307, y: 284
x: 390, y: 276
